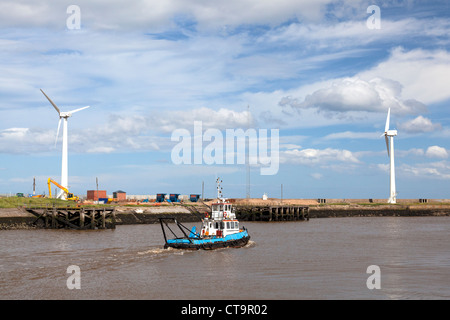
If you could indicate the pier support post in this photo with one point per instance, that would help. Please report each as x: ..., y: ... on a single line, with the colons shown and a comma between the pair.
x: 54, y: 218
x: 74, y: 218
x: 103, y: 219
x: 93, y: 219
x: 82, y: 219
x: 46, y: 218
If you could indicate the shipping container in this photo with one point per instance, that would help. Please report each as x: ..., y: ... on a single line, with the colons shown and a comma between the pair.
x: 95, y: 195
x: 160, y: 197
x: 194, y: 197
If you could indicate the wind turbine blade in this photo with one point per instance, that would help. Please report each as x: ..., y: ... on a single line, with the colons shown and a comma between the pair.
x: 387, y: 144
x: 57, y: 131
x: 386, y: 128
x: 53, y: 104
x: 76, y: 110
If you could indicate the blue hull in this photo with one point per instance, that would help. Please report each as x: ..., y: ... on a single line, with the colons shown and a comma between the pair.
x: 236, y: 240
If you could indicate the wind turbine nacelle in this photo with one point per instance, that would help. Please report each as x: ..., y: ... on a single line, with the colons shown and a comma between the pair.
x: 391, y: 133
x: 65, y: 114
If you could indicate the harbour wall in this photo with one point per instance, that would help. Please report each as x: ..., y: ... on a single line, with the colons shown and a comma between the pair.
x: 18, y: 218
x: 398, y: 210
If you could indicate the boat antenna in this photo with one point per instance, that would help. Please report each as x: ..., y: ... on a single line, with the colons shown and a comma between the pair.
x: 219, y: 189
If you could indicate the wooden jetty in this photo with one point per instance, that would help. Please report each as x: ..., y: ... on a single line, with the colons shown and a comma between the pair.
x: 272, y: 213
x: 74, y: 217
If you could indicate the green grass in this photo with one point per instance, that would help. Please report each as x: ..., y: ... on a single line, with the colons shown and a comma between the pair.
x: 14, y: 202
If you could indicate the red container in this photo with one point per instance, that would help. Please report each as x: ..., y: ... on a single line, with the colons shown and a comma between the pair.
x: 94, y: 194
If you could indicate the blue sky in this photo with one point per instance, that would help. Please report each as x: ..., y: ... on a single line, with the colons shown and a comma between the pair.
x: 312, y: 69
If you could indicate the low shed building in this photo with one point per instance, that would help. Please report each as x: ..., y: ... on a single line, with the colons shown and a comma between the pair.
x: 120, y: 195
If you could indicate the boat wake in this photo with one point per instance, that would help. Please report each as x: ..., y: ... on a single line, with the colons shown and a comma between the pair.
x: 250, y: 244
x: 157, y: 251
x: 161, y: 250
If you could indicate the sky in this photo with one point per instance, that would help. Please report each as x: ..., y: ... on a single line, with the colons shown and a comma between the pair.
x: 320, y: 73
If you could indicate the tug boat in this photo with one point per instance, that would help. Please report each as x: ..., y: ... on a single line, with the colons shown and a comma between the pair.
x: 220, y: 229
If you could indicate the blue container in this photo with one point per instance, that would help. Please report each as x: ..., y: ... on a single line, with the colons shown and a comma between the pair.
x: 174, y: 197
x: 104, y: 200
x: 194, y: 197
x: 160, y: 197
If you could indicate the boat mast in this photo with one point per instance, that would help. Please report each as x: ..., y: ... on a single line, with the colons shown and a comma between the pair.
x: 219, y: 189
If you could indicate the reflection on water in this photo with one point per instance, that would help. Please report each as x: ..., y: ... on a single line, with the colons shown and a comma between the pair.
x: 319, y: 259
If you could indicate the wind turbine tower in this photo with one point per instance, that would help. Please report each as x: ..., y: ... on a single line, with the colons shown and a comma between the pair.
x: 64, y: 164
x: 389, y: 137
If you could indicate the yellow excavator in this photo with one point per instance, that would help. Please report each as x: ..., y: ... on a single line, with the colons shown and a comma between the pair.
x: 69, y: 196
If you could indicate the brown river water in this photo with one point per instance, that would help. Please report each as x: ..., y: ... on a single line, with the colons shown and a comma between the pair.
x: 319, y: 259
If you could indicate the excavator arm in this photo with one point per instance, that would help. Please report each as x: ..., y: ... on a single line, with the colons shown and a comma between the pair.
x: 69, y: 196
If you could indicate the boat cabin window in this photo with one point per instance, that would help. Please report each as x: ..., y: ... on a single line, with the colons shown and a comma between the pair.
x: 221, y: 207
x: 232, y: 225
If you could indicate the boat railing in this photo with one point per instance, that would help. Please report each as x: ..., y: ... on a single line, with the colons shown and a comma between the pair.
x: 182, y: 227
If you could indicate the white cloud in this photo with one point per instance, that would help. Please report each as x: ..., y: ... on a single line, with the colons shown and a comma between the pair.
x: 419, y: 125
x: 100, y: 149
x: 410, y: 152
x: 423, y: 74
x: 26, y: 140
x: 406, y: 81
x: 14, y: 133
x: 290, y: 146
x: 416, y: 152
x: 317, y: 156
x: 384, y: 167
x: 355, y: 94
x: 439, y: 170
x: 349, y: 33
x: 124, y: 132
x: 317, y: 175
x: 220, y: 119
x: 352, y: 135
x: 155, y: 14
x: 436, y: 152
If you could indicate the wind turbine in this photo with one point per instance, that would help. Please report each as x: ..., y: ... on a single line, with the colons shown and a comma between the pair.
x: 389, y: 135
x: 64, y: 165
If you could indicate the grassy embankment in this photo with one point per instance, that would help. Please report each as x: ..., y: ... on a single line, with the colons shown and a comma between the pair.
x: 14, y: 202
